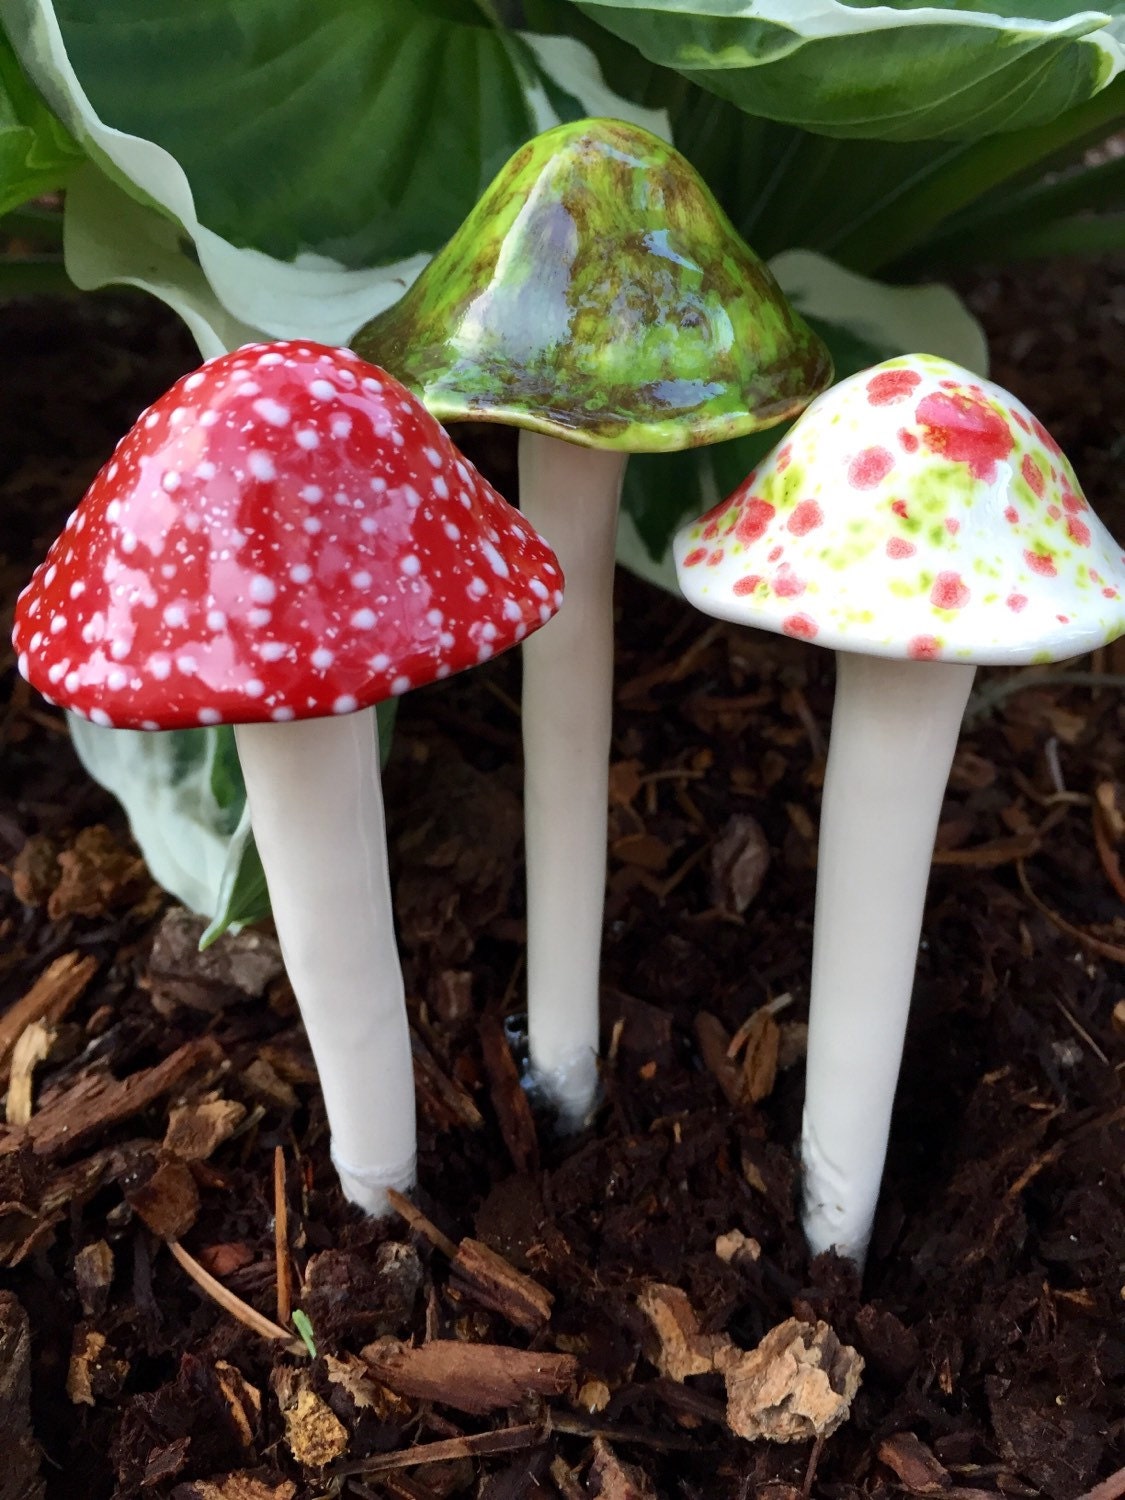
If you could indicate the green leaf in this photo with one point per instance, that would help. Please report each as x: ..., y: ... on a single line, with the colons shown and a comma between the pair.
x: 862, y: 322
x: 296, y: 175
x: 37, y: 154
x: 897, y: 72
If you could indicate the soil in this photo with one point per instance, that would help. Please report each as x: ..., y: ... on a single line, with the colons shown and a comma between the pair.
x: 519, y: 1332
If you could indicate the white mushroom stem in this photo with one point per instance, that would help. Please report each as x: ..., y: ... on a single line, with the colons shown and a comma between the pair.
x: 894, y: 732
x: 571, y: 495
x: 316, y: 807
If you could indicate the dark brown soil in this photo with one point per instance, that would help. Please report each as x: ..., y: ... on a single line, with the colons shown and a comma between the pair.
x: 990, y: 1318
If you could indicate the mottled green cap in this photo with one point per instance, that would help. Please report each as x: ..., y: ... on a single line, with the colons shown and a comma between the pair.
x: 598, y: 293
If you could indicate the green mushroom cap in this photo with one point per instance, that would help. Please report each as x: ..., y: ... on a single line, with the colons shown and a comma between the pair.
x: 598, y: 293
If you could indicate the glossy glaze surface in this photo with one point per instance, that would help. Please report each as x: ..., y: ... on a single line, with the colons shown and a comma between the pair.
x: 914, y: 510
x: 287, y: 533
x: 598, y: 293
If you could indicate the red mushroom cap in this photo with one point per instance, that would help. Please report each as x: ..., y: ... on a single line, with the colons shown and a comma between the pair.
x: 285, y: 534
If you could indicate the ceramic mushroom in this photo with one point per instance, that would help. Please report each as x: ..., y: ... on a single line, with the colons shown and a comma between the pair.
x: 920, y: 521
x: 284, y: 539
x: 598, y: 299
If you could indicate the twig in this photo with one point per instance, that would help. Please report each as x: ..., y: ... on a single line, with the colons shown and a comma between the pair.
x: 1082, y: 1032
x: 225, y: 1297
x: 1106, y: 852
x: 985, y: 699
x: 420, y: 1224
x: 1099, y: 945
x: 281, y: 1237
x: 475, y: 1445
x: 1109, y: 1489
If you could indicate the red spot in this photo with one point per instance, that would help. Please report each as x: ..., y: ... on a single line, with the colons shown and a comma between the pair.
x: 949, y: 592
x: 1041, y: 562
x: 966, y: 430
x: 1063, y: 619
x: 715, y: 514
x: 1045, y: 437
x: 800, y: 625
x: 716, y: 558
x: 1108, y: 593
x: 786, y: 584
x: 1016, y: 602
x: 891, y: 385
x: 784, y: 455
x: 756, y: 516
x: 950, y: 385
x: 1078, y: 531
x: 1019, y: 419
x: 747, y: 585
x: 923, y: 648
x: 899, y: 547
x: 696, y: 555
x: 774, y: 554
x: 952, y: 525
x: 869, y: 467
x: 1072, y: 502
x: 1054, y: 512
x: 1012, y: 514
x: 1033, y: 474
x: 710, y: 531
x: 908, y: 439
x: 899, y: 508
x: 807, y: 517
x: 1095, y: 576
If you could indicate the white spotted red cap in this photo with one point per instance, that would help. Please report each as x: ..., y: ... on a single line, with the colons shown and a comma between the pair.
x: 285, y: 534
x: 913, y: 510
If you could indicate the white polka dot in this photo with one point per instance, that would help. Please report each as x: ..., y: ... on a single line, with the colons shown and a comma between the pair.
x: 478, y: 588
x: 379, y: 663
x: 261, y: 465
x: 175, y: 616
x: 58, y: 624
x: 49, y: 576
x: 433, y: 457
x: 208, y: 418
x: 150, y: 422
x: 544, y: 613
x: 272, y: 650
x: 312, y: 494
x: 440, y: 488
x: 273, y: 412
x: 128, y: 542
x: 119, y: 650
x: 538, y: 588
x: 76, y: 588
x: 494, y: 560
x: 364, y: 619
x: 322, y: 658
x: 111, y: 472
x: 272, y: 359
x: 216, y: 619
x: 369, y: 526
x: 253, y: 687
x: 22, y: 664
x: 37, y: 640
x: 99, y: 716
x: 170, y: 481
x: 72, y: 682
x: 411, y: 496
x: 311, y: 525
x: 379, y: 486
x: 187, y: 665
x: 323, y: 390
x: 484, y: 651
x: 512, y: 610
x: 341, y: 427
x: 362, y: 579
x: 205, y: 470
x: 488, y: 631
x: 452, y: 532
x: 300, y: 572
x: 54, y: 673
x: 160, y: 667
x: 193, y: 382
x: 369, y: 383
x: 399, y: 686
x: 345, y: 704
x: 282, y: 715
x: 443, y: 671
x: 259, y: 618
x: 262, y: 590
x: 434, y: 617
x: 247, y: 388
x: 411, y: 565
x: 307, y: 439
x: 210, y: 716
x: 445, y: 640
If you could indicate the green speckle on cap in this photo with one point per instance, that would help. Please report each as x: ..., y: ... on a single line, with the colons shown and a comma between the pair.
x: 598, y: 293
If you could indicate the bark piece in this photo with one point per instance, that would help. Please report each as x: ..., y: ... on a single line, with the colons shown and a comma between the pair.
x: 740, y: 860
x: 315, y: 1435
x: 610, y: 1479
x: 474, y: 1378
x: 444, y: 1102
x: 243, y: 1400
x: 93, y: 1374
x: 19, y: 1473
x: 798, y: 1383
x: 93, y: 1273
x: 242, y: 1486
x: 49, y: 999
x: 168, y: 1202
x: 67, y: 1118
x: 683, y: 1350
x: 492, y: 1282
x: 714, y: 1044
x: 513, y: 1111
x: 32, y: 1047
x: 196, y: 1131
x: 914, y: 1464
x: 737, y: 1249
x: 96, y: 875
x: 236, y: 966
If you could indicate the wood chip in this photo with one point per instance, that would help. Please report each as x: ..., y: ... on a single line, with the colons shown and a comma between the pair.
x: 93, y: 1274
x: 798, y: 1383
x: 93, y: 1372
x: 168, y: 1202
x: 19, y: 1473
x: 737, y: 1249
x: 67, y: 1118
x: 351, y: 1374
x: 740, y: 860
x: 492, y: 1282
x: 509, y: 1099
x: 444, y: 1102
x: 610, y: 1479
x: 196, y: 1131
x: 681, y: 1350
x: 714, y: 1043
x: 96, y: 875
x: 474, y: 1378
x: 49, y: 999
x: 914, y: 1464
x: 241, y: 1486
x: 33, y: 1047
x: 244, y: 1401
x: 315, y: 1435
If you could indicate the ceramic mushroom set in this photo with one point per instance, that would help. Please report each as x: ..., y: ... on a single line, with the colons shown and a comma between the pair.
x: 288, y: 537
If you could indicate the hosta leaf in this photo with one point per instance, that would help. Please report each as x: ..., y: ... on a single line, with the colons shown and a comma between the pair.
x: 37, y: 153
x: 862, y: 322
x: 905, y: 71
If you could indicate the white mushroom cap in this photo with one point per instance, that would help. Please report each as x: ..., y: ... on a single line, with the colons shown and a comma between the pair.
x: 918, y: 511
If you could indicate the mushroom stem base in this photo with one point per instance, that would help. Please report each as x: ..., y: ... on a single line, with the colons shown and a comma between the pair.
x: 316, y: 806
x: 894, y: 731
x: 571, y: 495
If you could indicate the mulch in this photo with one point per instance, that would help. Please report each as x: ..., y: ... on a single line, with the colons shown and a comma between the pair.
x: 543, y: 1318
